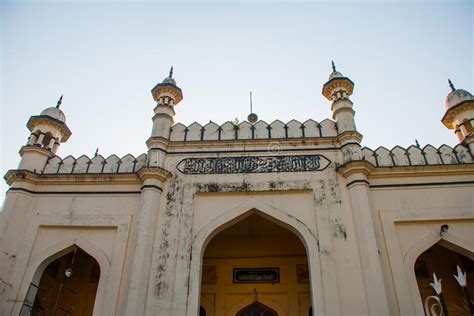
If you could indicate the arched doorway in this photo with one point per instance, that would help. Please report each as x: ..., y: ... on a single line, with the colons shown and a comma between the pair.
x: 443, y: 261
x: 256, y: 265
x: 68, y: 286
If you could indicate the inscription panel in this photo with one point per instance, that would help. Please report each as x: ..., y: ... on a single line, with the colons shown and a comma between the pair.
x: 263, y: 164
x: 256, y: 275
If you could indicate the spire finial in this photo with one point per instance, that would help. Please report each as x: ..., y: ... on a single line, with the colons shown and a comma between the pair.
x: 451, y: 85
x: 171, y: 72
x: 59, y: 102
x: 252, y: 117
x: 251, y: 110
x: 333, y: 66
x: 96, y: 152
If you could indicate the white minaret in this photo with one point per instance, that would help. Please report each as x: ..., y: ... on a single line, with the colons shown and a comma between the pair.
x: 167, y: 95
x: 460, y: 115
x: 48, y: 130
x: 338, y: 89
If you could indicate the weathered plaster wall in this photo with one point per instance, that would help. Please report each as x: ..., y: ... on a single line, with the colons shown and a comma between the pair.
x: 409, y: 218
x: 35, y: 227
x: 315, y: 202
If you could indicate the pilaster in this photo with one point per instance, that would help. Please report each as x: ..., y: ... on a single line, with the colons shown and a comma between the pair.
x: 143, y: 238
x: 358, y: 188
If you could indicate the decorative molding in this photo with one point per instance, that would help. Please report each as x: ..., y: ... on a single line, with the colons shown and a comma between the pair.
x: 19, y: 177
x: 373, y: 172
x: 448, y: 117
x: 73, y: 192
x: 401, y: 185
x: 153, y: 173
x: 151, y: 186
x: 51, y: 121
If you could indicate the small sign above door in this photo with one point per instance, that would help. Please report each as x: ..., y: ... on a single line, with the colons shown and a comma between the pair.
x: 256, y: 275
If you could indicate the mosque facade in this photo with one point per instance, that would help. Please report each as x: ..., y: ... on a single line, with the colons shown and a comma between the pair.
x: 250, y: 218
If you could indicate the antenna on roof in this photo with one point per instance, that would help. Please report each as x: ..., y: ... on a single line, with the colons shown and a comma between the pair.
x: 252, y: 118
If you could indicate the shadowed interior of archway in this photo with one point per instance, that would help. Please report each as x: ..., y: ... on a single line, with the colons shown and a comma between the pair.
x: 443, y: 261
x: 68, y: 285
x: 254, y: 246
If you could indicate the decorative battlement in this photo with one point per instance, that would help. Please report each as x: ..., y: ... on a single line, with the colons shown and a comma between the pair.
x: 260, y: 130
x: 97, y: 164
x: 415, y: 156
x: 381, y: 157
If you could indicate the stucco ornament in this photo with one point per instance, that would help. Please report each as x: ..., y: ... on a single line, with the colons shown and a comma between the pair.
x: 461, y: 277
x: 436, y: 284
x: 435, y: 309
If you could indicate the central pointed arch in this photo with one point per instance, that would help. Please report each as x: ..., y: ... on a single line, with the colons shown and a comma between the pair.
x: 232, y: 216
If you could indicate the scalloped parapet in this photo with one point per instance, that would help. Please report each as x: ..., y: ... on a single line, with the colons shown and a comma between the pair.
x: 95, y: 165
x: 415, y: 156
x: 246, y: 131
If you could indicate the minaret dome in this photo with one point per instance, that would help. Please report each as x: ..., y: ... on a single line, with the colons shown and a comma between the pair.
x: 460, y: 115
x: 48, y: 129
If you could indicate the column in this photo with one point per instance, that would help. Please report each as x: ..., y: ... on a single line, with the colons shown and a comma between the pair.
x: 51, y: 143
x: 56, y: 146
x: 40, y: 139
x: 32, y: 139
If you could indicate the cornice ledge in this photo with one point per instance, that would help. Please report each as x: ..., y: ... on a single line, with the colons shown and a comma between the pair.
x: 358, y: 166
x: 424, y: 170
x: 349, y: 136
x: 37, y: 149
x: 157, y: 141
x: 153, y: 173
x: 13, y: 175
x: 452, y: 111
x: 290, y: 142
x: 22, y: 175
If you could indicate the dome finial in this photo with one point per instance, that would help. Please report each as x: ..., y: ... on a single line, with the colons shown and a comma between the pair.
x: 333, y: 66
x: 171, y: 72
x: 451, y: 85
x: 58, y: 104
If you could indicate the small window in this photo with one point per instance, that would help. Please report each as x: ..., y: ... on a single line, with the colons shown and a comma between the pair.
x: 257, y: 309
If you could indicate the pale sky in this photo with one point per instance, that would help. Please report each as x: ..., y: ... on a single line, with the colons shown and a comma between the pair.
x: 105, y: 56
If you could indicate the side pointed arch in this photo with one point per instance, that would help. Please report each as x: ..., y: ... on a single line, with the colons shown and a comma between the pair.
x: 450, y: 241
x: 39, y: 262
